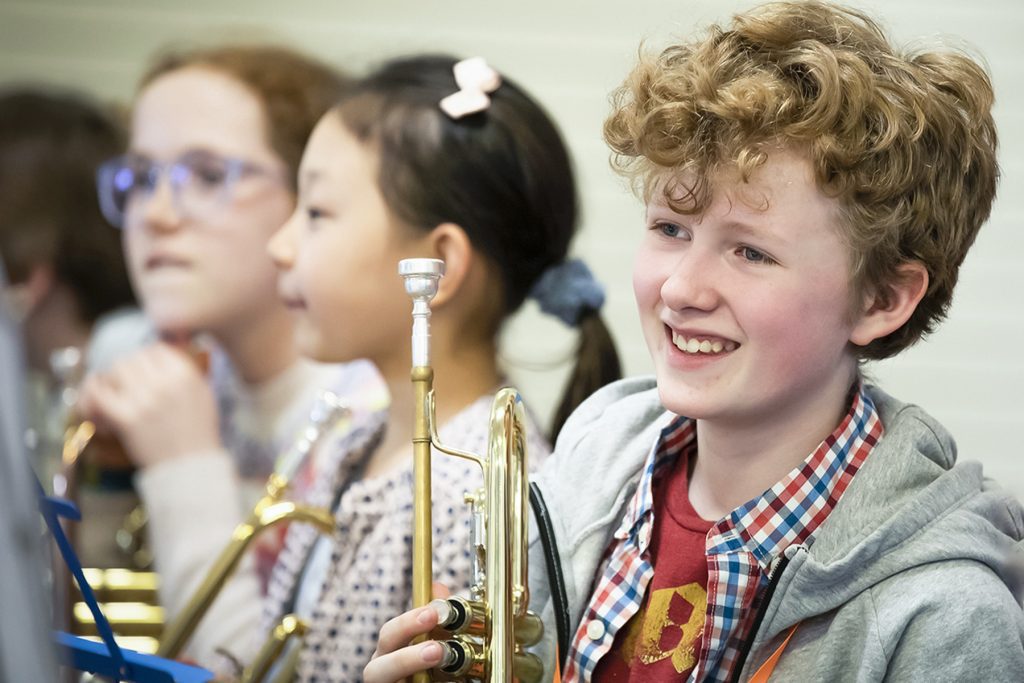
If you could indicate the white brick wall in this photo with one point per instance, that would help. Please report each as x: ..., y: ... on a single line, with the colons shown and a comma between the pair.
x: 571, y: 54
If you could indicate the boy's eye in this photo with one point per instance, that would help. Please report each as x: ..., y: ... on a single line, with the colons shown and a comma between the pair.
x: 314, y: 213
x: 754, y: 256
x: 669, y: 229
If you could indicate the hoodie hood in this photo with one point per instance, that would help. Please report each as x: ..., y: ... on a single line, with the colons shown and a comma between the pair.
x: 906, y: 508
x: 919, y: 556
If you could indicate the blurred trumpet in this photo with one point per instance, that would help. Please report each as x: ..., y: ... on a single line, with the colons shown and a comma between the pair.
x: 270, y: 510
x: 66, y: 364
x: 120, y: 578
x: 492, y: 628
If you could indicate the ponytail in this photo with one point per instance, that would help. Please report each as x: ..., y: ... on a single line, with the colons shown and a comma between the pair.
x: 569, y: 292
x: 597, y: 364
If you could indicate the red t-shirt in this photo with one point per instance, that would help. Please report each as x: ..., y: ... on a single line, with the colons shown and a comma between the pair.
x: 661, y: 642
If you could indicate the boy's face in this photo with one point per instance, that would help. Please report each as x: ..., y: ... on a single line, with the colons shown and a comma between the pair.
x: 746, y: 308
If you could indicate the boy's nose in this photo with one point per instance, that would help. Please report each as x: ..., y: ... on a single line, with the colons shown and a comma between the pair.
x: 692, y: 282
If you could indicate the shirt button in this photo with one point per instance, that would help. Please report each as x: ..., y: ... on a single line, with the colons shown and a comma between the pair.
x: 595, y: 630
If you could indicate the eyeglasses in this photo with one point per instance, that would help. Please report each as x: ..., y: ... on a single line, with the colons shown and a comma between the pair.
x: 201, y: 183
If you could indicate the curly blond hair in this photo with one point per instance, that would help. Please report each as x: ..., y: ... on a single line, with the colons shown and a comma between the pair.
x: 904, y: 141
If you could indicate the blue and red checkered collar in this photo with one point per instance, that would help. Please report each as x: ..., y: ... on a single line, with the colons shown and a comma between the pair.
x: 785, y: 514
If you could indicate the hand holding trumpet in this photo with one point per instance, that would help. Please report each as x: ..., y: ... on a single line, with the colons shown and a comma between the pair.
x: 157, y: 402
x: 395, y: 658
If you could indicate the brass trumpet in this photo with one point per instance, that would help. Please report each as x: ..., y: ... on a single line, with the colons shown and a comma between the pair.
x: 129, y: 595
x: 271, y: 509
x: 490, y: 629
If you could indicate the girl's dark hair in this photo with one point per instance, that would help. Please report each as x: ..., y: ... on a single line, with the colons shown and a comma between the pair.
x: 50, y: 145
x: 503, y: 175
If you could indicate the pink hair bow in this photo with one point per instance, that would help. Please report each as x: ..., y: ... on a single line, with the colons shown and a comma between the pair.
x: 475, y: 79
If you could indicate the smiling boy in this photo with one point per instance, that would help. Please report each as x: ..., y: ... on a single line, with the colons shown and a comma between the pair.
x: 811, y: 193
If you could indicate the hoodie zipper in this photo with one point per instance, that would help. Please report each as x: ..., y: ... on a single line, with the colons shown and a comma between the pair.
x: 773, y: 580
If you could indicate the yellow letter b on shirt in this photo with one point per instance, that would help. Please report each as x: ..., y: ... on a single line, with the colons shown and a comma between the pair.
x: 657, y: 622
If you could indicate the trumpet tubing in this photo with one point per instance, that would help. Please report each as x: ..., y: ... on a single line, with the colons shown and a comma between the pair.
x: 287, y: 628
x: 269, y: 511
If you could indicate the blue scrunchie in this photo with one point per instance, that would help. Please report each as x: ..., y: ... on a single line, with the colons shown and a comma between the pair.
x: 567, y: 290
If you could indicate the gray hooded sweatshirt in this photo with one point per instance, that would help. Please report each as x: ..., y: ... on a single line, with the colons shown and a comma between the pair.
x: 914, y: 576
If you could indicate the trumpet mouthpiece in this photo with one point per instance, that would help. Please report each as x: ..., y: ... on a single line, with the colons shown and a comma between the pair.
x: 421, y: 276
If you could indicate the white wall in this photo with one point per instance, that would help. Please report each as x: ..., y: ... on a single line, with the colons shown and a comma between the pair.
x: 970, y: 374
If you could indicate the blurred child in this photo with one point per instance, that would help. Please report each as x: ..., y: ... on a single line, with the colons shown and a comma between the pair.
x: 216, y: 137
x: 69, y: 284
x: 63, y: 259
x: 65, y: 265
x: 425, y: 157
x: 811, y: 193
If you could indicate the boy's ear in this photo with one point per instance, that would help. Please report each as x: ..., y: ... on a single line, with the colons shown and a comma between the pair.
x: 886, y: 310
x: 450, y: 243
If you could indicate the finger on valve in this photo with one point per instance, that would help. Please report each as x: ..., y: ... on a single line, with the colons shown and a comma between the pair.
x: 395, y: 658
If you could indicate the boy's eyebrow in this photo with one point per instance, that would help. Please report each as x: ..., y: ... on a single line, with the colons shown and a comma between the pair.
x: 742, y: 227
x: 731, y: 225
x: 752, y: 230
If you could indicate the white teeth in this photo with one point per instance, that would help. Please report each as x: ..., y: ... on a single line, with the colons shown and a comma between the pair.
x: 701, y: 345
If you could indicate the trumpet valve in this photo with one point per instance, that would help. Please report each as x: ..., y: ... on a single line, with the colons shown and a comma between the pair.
x: 461, y: 659
x: 465, y: 660
x: 458, y: 615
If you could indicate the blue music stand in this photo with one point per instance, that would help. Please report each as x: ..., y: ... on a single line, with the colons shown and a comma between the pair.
x: 106, y: 658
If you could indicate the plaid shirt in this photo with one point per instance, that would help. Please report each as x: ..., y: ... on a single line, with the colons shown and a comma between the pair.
x: 740, y: 548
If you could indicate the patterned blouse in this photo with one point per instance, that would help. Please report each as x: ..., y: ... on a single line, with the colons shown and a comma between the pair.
x: 369, y: 574
x: 195, y: 503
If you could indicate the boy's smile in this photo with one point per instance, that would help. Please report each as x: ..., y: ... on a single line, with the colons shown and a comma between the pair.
x: 699, y: 343
x: 746, y: 308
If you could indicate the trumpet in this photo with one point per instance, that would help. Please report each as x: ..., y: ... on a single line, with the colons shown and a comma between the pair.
x: 270, y: 510
x: 491, y: 629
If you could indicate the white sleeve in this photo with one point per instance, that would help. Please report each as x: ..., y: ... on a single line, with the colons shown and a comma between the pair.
x: 194, y: 505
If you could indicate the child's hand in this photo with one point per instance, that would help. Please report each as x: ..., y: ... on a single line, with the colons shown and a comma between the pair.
x: 394, y: 658
x: 157, y: 402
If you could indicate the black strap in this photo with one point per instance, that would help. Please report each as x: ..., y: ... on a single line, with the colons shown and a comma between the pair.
x: 559, y: 597
x: 773, y: 581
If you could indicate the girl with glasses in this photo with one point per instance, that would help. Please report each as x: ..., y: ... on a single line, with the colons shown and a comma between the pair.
x: 215, y: 140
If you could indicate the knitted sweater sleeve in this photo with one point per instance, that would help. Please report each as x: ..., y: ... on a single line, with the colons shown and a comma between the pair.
x: 194, y: 505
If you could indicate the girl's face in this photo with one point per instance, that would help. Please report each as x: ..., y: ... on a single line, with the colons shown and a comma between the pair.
x: 339, y: 253
x: 196, y: 244
x: 747, y: 308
